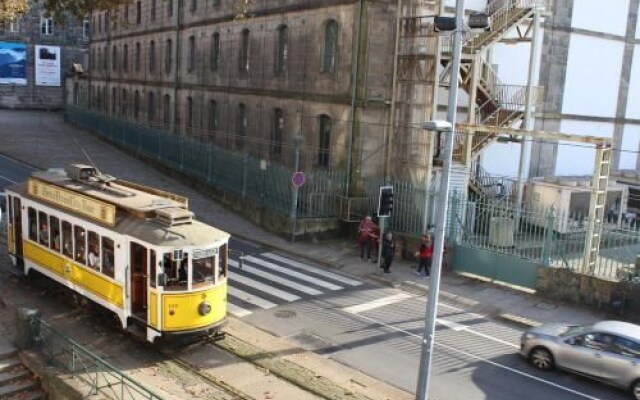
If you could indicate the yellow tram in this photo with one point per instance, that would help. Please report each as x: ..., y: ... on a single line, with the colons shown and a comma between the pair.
x: 134, y: 250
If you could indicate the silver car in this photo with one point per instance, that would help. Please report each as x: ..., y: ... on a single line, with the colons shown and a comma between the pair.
x: 608, y: 351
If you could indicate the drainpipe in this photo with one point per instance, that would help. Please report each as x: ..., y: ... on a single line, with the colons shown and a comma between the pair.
x: 355, y: 71
x: 176, y: 65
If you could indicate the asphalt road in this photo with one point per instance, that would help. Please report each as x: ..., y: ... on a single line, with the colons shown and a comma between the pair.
x: 378, y: 330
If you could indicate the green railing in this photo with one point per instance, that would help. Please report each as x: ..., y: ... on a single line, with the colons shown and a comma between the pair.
x: 100, y: 377
x: 269, y: 184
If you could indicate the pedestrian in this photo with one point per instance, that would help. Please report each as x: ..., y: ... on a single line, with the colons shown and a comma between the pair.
x: 424, y: 255
x: 388, y: 251
x: 366, y: 235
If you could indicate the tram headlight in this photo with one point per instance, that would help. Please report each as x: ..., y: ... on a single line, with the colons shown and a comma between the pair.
x: 204, y: 308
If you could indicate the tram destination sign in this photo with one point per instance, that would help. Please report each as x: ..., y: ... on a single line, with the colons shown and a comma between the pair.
x: 67, y: 199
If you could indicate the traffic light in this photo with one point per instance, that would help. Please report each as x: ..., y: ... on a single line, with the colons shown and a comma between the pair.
x: 385, y: 204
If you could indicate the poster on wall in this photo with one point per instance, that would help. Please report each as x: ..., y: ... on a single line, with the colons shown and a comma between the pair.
x: 13, y: 60
x: 47, y: 65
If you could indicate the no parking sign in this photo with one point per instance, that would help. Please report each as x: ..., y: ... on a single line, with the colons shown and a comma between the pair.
x: 297, y: 179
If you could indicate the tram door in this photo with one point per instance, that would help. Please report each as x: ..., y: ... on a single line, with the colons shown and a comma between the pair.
x: 138, y: 264
x: 17, y: 229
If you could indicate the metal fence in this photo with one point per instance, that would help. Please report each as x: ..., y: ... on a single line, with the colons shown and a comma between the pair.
x: 248, y: 177
x: 545, y: 235
x: 100, y: 377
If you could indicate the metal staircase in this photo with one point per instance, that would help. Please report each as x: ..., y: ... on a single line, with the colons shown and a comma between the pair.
x: 485, y: 185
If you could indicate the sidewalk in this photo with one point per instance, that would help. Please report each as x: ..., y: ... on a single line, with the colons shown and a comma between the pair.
x: 45, y: 141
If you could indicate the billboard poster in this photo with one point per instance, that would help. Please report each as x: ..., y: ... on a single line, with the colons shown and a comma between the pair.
x: 13, y: 60
x: 47, y: 65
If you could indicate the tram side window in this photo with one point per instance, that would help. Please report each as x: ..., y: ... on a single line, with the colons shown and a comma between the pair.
x: 152, y: 268
x: 8, y: 202
x: 54, y: 224
x: 176, y: 275
x: 222, y: 266
x: 94, y: 251
x: 203, y: 270
x: 67, y: 239
x: 107, y: 257
x: 33, y: 224
x: 44, y: 228
x: 80, y: 244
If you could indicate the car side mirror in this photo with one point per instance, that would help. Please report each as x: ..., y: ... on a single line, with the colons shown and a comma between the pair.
x: 572, y: 341
x: 162, y: 279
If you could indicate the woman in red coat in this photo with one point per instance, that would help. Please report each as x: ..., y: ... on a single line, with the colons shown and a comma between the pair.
x: 424, y: 255
x: 366, y: 235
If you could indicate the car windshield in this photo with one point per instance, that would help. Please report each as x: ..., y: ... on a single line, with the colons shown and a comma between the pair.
x: 576, y: 330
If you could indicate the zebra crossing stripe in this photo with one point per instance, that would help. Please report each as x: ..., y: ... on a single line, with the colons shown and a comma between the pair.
x: 237, y: 310
x: 377, y: 303
x: 249, y: 298
x: 278, y: 279
x: 284, y: 270
x: 266, y: 288
x: 308, y: 268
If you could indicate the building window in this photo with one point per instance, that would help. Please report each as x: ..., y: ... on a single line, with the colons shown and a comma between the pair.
x: 153, y: 10
x: 46, y: 25
x: 214, y: 56
x: 168, y: 56
x: 136, y: 104
x: 126, y: 14
x: 137, y: 58
x: 330, y: 46
x: 282, y: 49
x: 166, y: 108
x: 325, y: 141
x: 105, y: 59
x: 169, y: 8
x: 138, y: 12
x: 189, y: 115
x: 151, y: 107
x: 125, y: 57
x: 114, y: 58
x: 113, y: 100
x: 100, y: 22
x: 212, y: 125
x: 152, y: 56
x: 194, y: 5
x: 191, y: 59
x: 216, y: 3
x: 241, y: 128
x: 124, y: 103
x: 243, y: 60
x: 278, y: 131
x: 86, y: 26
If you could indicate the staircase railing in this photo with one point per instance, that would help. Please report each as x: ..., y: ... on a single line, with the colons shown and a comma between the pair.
x: 490, y: 186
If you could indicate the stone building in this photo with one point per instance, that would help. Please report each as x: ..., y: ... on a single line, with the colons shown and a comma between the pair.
x: 36, y: 28
x: 260, y: 77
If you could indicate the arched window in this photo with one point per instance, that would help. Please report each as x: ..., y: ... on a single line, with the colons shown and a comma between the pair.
x: 125, y: 57
x: 214, y: 56
x: 137, y: 58
x: 152, y: 56
x: 168, y: 56
x: 113, y: 100
x: 114, y: 58
x: 166, y: 107
x: 124, y: 104
x: 105, y: 59
x: 151, y: 107
x: 282, y: 47
x: 324, y: 144
x: 189, y: 115
x: 136, y: 104
x: 243, y: 57
x: 330, y: 46
x: 278, y: 131
x: 212, y: 124
x: 241, y: 127
x: 191, y: 59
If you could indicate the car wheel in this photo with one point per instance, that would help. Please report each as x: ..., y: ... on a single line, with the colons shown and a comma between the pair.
x: 542, y: 359
x: 635, y: 389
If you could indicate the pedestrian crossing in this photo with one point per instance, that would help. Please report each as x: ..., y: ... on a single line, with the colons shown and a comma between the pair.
x: 267, y: 280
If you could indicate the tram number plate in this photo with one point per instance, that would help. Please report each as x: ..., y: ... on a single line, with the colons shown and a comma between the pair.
x: 204, y: 253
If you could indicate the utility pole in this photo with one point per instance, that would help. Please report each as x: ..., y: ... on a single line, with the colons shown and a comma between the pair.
x: 422, y: 390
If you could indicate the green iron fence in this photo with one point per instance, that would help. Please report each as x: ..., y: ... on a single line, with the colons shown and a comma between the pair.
x: 248, y: 177
x: 544, y: 235
x: 100, y: 377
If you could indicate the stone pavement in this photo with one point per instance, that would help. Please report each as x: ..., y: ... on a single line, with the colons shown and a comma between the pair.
x: 45, y: 141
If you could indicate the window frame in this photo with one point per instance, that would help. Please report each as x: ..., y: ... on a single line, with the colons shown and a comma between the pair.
x: 278, y: 132
x: 241, y: 126
x: 191, y: 54
x: 325, y: 126
x: 282, y: 49
x: 244, y: 62
x: 46, y: 25
x: 214, y: 55
x: 330, y: 47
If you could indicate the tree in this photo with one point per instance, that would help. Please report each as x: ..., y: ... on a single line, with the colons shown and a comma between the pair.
x: 11, y: 9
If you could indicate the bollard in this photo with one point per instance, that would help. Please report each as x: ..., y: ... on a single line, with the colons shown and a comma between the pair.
x: 28, y: 328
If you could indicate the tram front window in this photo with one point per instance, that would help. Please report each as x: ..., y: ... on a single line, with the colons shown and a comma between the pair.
x: 203, y: 271
x: 176, y: 271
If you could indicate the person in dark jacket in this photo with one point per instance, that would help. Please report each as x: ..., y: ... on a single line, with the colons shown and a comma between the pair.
x: 424, y: 255
x: 388, y: 251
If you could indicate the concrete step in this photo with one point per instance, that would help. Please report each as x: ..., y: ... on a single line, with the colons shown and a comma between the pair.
x: 9, y: 363
x: 7, y: 349
x: 15, y: 389
x: 6, y: 377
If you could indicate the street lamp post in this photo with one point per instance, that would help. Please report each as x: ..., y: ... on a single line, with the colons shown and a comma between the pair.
x: 422, y: 390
